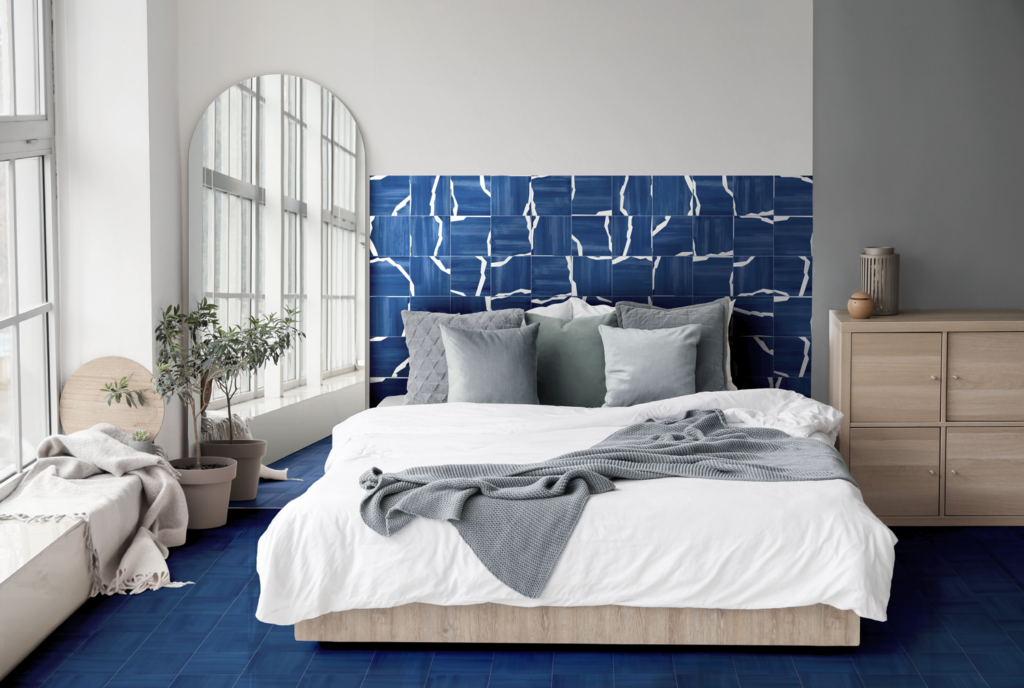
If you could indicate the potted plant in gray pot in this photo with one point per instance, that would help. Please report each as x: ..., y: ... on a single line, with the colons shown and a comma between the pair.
x: 181, y: 370
x: 239, y: 353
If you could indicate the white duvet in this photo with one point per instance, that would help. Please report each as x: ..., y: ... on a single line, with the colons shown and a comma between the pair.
x: 672, y: 542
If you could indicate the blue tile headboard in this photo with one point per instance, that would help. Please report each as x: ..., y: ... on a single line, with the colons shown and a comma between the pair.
x: 460, y: 244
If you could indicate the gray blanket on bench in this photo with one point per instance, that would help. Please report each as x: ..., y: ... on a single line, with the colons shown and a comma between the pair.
x: 517, y: 518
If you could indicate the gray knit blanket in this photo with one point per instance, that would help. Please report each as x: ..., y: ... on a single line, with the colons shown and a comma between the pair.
x: 517, y: 518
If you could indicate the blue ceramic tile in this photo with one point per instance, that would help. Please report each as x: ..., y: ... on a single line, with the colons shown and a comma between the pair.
x: 1007, y: 681
x: 173, y: 642
x: 552, y: 236
x: 217, y: 588
x: 94, y: 663
x: 431, y: 236
x: 793, y: 317
x: 470, y: 195
x: 884, y: 664
x: 389, y: 195
x: 770, y: 682
x: 592, y: 236
x: 112, y: 642
x: 439, y: 680
x: 631, y: 236
x: 510, y: 196
x: 582, y: 681
x: 955, y: 681
x: 522, y: 663
x: 391, y: 663
x: 763, y: 664
x: 77, y: 681
x: 279, y: 663
x: 207, y: 681
x: 386, y: 315
x: 519, y: 681
x: 643, y: 663
x: 942, y: 663
x: 462, y: 663
x: 712, y: 236
x: 390, y: 277
x: 233, y: 642
x: 156, y: 663
x: 471, y: 276
x: 793, y: 275
x: 431, y: 276
x: 431, y: 195
x: 141, y: 681
x: 793, y: 359
x: 753, y: 236
x: 632, y: 277
x: 986, y: 642
x: 432, y: 304
x: 591, y: 195
x: 673, y: 275
x: 267, y: 681
x: 631, y: 195
x: 709, y: 680
x: 340, y: 681
x: 219, y: 663
x: 672, y: 235
x: 340, y: 662
x: 471, y: 236
x: 552, y: 195
x: 511, y: 235
x: 713, y: 196
x: 469, y: 304
x: 995, y: 663
x: 703, y: 662
x: 583, y: 663
x: 753, y: 356
x: 754, y: 195
x: 593, y: 276
x: 1005, y: 607
x: 551, y: 276
x: 752, y: 275
x: 510, y: 275
x: 823, y: 664
x: 389, y: 236
x: 383, y: 389
x: 645, y: 681
x: 794, y: 196
x: 505, y: 301
x: 793, y: 236
x: 137, y: 623
x: 712, y: 276
x: 672, y: 196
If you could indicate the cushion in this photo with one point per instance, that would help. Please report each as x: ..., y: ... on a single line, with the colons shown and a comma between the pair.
x: 491, y: 366
x: 713, y: 349
x: 428, y: 369
x: 570, y: 360
x: 649, y: 365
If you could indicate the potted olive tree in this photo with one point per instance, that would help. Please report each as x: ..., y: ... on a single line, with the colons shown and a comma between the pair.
x: 188, y: 354
x: 241, y: 352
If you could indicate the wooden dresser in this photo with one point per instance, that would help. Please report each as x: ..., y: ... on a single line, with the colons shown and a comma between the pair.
x: 933, y: 404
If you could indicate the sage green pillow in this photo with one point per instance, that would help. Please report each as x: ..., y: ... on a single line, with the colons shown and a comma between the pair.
x: 570, y: 360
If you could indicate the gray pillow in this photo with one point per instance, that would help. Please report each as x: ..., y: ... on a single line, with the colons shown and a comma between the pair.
x: 570, y: 360
x: 428, y: 369
x: 491, y: 366
x: 713, y: 349
x: 649, y: 365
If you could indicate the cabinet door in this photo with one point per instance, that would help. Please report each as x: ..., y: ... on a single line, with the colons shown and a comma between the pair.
x: 895, y: 377
x: 985, y: 376
x: 985, y: 471
x: 897, y: 469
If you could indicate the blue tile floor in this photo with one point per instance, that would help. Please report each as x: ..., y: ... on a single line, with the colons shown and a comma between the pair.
x: 956, y: 620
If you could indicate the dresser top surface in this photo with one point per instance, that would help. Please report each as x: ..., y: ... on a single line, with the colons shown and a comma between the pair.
x: 929, y: 317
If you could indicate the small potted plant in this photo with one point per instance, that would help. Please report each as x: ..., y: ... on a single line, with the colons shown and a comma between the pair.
x: 240, y: 352
x: 142, y: 441
x: 181, y: 371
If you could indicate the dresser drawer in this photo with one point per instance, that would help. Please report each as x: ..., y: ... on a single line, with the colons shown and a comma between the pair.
x: 985, y: 471
x: 895, y: 377
x: 985, y: 376
x: 897, y: 469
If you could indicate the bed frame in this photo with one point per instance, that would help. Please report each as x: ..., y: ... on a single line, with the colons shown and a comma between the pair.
x: 816, y: 625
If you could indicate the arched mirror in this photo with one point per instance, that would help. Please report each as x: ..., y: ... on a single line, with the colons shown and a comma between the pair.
x: 276, y: 218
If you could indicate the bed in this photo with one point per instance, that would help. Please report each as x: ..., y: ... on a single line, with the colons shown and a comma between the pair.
x: 706, y: 562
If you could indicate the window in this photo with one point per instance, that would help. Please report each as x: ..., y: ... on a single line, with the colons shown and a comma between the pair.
x: 293, y: 140
x: 28, y: 308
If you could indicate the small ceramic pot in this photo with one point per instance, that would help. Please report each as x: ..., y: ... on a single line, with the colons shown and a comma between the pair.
x: 860, y: 305
x: 144, y: 447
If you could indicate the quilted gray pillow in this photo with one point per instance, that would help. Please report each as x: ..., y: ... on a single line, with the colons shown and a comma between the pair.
x: 713, y: 347
x: 428, y: 367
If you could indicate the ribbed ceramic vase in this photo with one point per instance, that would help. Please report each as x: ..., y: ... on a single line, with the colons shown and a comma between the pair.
x: 880, y: 277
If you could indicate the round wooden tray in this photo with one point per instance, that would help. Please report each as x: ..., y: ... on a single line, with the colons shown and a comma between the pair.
x: 83, y: 403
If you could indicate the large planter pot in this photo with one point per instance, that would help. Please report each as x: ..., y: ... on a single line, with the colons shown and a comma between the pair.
x: 249, y: 455
x: 207, y: 491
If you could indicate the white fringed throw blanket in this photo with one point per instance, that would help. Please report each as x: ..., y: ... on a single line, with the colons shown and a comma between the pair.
x: 80, y: 476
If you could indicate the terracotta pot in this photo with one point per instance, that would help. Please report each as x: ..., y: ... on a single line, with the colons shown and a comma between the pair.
x: 249, y: 455
x: 207, y: 491
x: 860, y: 305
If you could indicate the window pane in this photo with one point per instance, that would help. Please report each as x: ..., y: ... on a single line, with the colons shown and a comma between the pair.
x: 6, y: 243
x: 28, y: 213
x: 34, y: 385
x: 27, y: 58
x: 6, y: 68
x: 8, y: 419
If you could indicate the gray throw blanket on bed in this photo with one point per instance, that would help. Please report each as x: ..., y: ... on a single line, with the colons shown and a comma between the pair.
x: 517, y: 518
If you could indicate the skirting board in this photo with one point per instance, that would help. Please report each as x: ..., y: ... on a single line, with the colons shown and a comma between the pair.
x: 816, y: 625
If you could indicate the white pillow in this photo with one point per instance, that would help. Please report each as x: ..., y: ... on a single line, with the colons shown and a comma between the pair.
x: 582, y: 309
x: 561, y: 310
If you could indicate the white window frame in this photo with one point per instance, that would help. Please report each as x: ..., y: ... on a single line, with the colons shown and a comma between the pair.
x: 29, y: 136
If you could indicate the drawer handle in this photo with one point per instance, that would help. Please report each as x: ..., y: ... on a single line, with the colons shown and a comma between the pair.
x: 932, y: 472
x: 953, y: 472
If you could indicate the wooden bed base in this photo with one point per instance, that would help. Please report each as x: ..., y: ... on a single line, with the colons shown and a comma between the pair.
x: 817, y: 625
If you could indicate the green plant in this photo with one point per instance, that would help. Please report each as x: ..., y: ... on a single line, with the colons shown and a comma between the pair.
x: 186, y: 359
x: 118, y: 389
x: 141, y: 435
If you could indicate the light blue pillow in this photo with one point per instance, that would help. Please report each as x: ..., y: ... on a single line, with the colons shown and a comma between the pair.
x: 649, y: 365
x: 492, y: 366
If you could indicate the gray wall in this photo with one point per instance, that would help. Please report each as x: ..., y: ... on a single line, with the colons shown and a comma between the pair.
x: 919, y: 144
